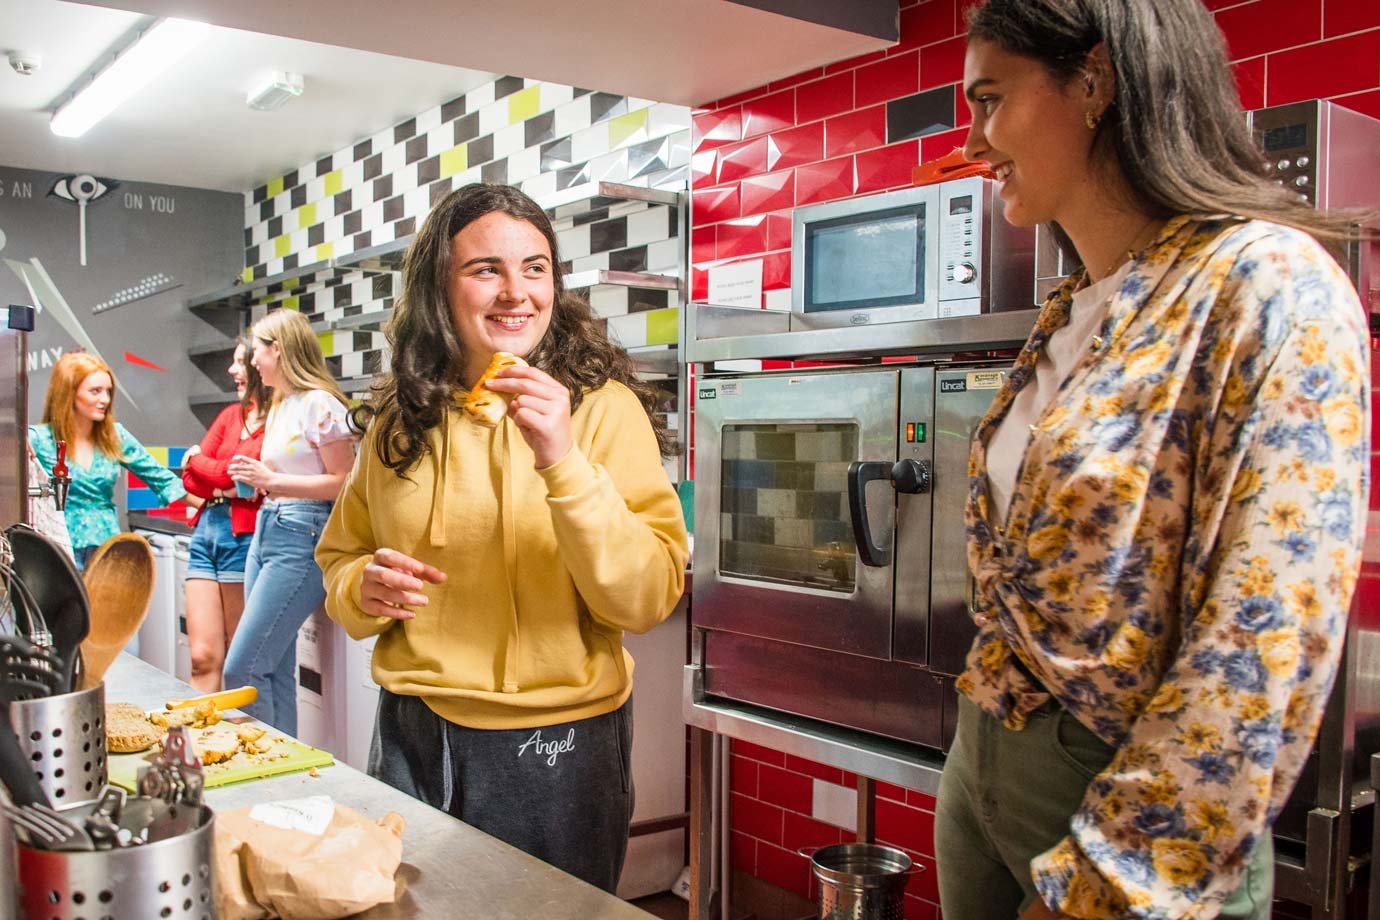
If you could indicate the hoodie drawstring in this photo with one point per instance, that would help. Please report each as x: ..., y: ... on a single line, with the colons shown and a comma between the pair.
x: 509, y: 518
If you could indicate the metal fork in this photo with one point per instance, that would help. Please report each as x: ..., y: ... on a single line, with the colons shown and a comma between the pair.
x: 47, y: 828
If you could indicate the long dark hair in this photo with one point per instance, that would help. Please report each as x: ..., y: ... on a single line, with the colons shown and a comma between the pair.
x: 257, y: 394
x: 428, y: 357
x: 1176, y: 126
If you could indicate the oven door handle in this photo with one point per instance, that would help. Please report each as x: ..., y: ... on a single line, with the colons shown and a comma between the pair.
x: 860, y: 473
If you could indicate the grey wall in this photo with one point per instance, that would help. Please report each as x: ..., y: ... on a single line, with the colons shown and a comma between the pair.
x: 136, y: 231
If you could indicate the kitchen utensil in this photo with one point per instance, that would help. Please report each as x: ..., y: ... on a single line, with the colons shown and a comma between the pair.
x: 225, y: 699
x: 63, y: 738
x: 119, y: 584
x: 47, y: 828
x: 103, y: 824
x: 22, y: 611
x: 57, y: 587
x: 24, y: 672
x: 861, y: 881
x: 174, y: 776
x: 165, y: 878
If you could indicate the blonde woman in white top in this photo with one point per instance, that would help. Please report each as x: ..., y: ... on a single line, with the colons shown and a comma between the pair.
x: 308, y: 450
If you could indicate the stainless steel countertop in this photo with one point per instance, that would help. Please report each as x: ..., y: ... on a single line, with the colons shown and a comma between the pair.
x: 451, y: 869
x: 142, y: 520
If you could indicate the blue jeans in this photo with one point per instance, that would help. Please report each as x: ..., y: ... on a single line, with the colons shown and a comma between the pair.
x: 282, y: 586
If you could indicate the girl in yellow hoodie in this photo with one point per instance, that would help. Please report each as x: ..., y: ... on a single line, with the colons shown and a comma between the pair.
x: 500, y: 566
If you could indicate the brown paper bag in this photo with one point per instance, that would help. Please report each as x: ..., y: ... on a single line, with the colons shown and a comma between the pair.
x: 264, y: 871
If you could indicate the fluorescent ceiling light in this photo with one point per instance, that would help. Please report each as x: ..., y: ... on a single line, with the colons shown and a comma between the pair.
x: 274, y: 91
x: 154, y: 51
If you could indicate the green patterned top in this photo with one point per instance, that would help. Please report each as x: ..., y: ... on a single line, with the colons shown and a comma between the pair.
x: 91, y: 515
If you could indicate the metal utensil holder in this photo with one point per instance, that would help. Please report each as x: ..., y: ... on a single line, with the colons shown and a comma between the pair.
x: 861, y: 881
x: 170, y: 878
x: 64, y: 737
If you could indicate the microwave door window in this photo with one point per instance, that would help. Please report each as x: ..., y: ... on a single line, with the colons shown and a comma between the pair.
x: 855, y: 263
x: 783, y: 516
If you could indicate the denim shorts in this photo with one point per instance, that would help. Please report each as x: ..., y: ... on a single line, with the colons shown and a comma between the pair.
x: 216, y: 553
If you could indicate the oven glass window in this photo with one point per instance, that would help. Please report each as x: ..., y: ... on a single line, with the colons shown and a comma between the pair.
x: 783, y: 516
x: 869, y: 260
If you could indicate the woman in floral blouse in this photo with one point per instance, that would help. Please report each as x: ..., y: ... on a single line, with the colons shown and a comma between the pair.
x: 1168, y: 494
x: 78, y: 409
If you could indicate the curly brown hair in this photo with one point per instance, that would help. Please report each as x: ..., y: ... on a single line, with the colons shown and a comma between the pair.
x: 428, y: 357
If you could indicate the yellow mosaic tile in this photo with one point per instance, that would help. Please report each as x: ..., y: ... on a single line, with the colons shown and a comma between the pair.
x: 306, y: 216
x: 325, y: 251
x: 247, y: 275
x: 523, y: 104
x: 453, y: 161
x: 626, y: 126
x: 335, y: 181
x: 282, y: 245
x: 275, y: 186
x: 663, y: 326
x: 326, y: 339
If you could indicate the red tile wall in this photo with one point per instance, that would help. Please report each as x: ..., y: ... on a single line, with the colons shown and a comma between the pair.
x: 821, y: 135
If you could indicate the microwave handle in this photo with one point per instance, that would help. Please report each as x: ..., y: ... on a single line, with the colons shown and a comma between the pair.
x: 860, y: 473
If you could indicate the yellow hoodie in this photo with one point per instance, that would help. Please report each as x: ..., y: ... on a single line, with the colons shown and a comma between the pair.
x: 545, y: 568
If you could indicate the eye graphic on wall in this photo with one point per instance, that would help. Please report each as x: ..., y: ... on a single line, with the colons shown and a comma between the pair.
x: 83, y: 189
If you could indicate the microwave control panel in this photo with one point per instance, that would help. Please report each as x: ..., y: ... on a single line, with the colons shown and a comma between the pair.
x: 960, y: 244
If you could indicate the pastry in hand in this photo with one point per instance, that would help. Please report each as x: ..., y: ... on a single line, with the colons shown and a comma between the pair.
x: 484, y: 405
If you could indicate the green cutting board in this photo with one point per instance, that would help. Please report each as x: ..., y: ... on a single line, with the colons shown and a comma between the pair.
x: 124, y: 768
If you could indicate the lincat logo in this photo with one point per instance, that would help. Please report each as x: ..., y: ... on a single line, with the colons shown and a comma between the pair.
x: 860, y: 319
x: 708, y: 393
x: 953, y: 386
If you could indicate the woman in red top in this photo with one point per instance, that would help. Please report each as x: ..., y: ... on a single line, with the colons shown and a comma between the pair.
x: 224, y: 526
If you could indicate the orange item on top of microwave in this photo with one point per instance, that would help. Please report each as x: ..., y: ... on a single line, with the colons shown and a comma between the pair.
x: 952, y: 165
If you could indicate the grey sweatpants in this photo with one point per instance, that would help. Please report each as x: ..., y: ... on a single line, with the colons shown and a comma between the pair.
x: 563, y: 793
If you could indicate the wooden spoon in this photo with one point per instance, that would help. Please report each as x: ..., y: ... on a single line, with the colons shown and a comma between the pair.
x: 119, y: 582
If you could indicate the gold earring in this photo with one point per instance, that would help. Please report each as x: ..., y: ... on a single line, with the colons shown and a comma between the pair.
x: 1091, y: 120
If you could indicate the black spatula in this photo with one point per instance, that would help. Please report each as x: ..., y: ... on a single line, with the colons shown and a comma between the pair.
x: 59, y: 591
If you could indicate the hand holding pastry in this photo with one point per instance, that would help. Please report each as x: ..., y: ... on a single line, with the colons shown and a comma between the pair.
x: 540, y: 406
x: 484, y: 405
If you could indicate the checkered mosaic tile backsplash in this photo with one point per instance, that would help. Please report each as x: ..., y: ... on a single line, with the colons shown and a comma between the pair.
x: 542, y: 137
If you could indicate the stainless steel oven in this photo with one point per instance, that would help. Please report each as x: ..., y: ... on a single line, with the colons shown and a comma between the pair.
x: 830, y: 571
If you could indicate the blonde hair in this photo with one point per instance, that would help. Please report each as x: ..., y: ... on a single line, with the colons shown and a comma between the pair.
x: 60, y: 403
x: 300, y: 362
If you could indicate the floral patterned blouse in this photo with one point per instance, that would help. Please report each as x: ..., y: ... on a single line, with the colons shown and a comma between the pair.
x: 91, y: 515
x: 1178, y: 559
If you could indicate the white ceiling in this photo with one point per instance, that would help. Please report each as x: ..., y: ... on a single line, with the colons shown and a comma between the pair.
x: 194, y: 129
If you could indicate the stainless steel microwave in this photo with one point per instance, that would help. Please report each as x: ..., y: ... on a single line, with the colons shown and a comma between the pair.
x: 918, y: 253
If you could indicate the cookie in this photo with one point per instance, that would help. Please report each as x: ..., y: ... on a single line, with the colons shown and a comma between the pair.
x: 128, y: 729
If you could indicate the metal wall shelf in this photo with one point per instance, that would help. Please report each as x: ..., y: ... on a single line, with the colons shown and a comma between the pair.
x: 592, y: 196
x: 240, y: 296
x: 212, y: 399
x: 597, y: 277
x: 385, y: 257
x: 212, y: 348
x: 656, y: 359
